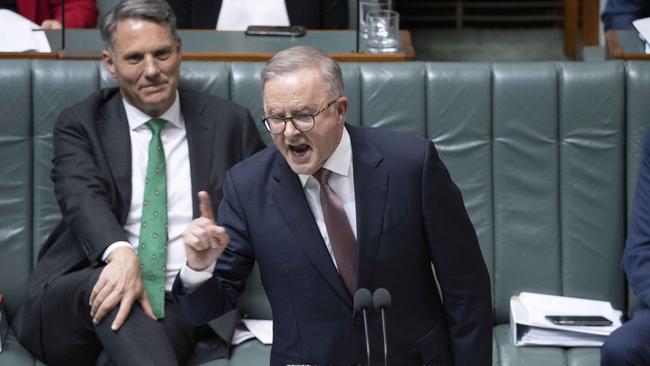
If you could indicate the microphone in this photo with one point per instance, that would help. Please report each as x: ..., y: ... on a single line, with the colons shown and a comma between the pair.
x: 362, y: 302
x: 381, y: 301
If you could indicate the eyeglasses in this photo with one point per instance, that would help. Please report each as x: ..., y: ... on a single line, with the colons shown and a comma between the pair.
x: 302, y: 122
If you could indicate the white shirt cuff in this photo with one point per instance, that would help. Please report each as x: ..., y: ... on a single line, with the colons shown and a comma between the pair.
x: 114, y: 246
x: 192, y: 279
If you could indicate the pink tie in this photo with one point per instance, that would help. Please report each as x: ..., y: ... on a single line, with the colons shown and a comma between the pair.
x: 339, y: 231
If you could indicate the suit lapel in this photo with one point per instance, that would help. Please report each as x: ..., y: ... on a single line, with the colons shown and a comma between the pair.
x: 114, y: 135
x: 370, y: 188
x: 288, y: 194
x: 198, y: 131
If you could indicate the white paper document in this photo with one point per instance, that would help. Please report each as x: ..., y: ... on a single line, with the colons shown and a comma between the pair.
x: 18, y: 34
x: 253, y: 328
x: 643, y: 26
x: 530, y: 327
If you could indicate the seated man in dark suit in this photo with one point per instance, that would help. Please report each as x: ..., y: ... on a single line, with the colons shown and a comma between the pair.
x: 226, y: 14
x: 630, y: 344
x: 330, y: 209
x: 128, y: 163
x: 619, y: 14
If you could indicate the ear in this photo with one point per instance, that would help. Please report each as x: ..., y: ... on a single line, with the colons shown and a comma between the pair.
x: 341, y: 110
x: 107, y: 57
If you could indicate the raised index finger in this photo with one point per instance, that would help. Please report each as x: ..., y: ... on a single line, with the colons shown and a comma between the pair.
x: 205, y: 205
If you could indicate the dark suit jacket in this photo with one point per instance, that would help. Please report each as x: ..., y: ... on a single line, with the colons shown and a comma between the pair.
x: 313, y: 14
x: 409, y: 215
x: 92, y: 181
x: 619, y: 14
x: 636, y: 256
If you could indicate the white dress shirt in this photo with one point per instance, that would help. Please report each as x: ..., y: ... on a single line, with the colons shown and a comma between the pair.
x: 179, y: 183
x: 341, y: 181
x: 239, y: 14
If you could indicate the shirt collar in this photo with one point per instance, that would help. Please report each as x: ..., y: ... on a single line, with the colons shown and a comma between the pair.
x: 137, y: 118
x: 340, y: 160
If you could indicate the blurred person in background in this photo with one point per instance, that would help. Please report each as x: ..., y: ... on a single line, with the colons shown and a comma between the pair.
x: 619, y: 14
x: 47, y: 13
x: 239, y: 14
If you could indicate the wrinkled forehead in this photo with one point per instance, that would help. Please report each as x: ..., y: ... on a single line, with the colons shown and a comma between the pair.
x: 126, y: 29
x: 295, y: 91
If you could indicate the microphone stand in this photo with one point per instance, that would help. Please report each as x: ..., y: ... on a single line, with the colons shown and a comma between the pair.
x: 381, y: 301
x: 383, y: 326
x: 363, y: 302
x: 63, y: 25
x: 365, y: 326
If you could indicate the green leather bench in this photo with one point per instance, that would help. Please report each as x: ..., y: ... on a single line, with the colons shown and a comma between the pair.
x: 546, y: 156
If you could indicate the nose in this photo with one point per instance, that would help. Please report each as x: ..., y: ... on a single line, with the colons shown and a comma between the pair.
x: 290, y: 130
x: 151, y: 69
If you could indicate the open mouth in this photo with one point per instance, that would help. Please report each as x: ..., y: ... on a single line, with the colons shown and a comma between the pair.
x: 299, y: 150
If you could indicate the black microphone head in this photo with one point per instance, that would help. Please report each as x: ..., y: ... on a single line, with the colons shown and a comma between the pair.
x: 381, y: 299
x: 362, y: 299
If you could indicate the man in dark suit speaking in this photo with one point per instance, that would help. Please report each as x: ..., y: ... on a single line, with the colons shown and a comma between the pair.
x: 332, y: 208
x: 128, y: 163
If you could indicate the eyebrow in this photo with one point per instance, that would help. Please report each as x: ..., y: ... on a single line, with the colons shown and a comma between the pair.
x: 303, y: 109
x: 155, y: 52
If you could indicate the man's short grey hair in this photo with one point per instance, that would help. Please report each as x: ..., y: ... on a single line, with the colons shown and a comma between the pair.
x: 304, y: 57
x: 157, y: 11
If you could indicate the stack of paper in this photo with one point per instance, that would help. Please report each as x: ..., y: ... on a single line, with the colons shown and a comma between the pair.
x: 17, y: 35
x: 529, y: 325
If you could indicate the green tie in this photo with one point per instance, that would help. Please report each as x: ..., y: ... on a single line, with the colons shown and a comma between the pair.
x: 152, y: 249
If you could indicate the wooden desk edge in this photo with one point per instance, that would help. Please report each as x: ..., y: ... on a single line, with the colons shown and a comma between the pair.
x: 29, y: 55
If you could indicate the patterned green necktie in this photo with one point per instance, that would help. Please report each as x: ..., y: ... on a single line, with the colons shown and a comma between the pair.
x: 152, y: 249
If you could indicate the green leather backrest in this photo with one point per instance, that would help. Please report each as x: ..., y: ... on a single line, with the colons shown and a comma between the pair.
x: 558, y: 183
x: 538, y: 150
x: 15, y: 180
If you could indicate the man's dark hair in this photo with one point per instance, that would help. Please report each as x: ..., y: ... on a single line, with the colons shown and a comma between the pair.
x: 157, y: 11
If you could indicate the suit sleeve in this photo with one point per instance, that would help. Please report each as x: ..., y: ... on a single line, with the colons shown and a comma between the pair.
x: 636, y: 256
x: 218, y: 295
x: 81, y: 188
x: 459, y: 265
x: 78, y: 13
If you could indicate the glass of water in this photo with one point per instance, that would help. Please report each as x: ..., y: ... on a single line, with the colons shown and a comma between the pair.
x: 383, y: 31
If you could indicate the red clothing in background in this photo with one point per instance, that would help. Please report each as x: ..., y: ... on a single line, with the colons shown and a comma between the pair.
x: 78, y: 13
